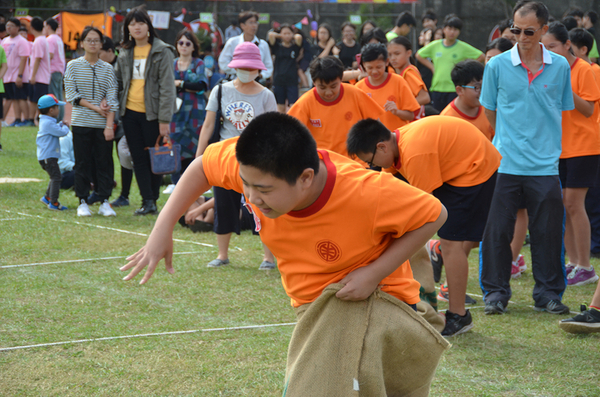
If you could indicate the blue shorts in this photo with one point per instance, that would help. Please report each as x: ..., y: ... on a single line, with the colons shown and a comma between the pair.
x: 283, y: 92
x: 579, y: 172
x: 36, y: 91
x: 468, y: 209
x: 14, y: 92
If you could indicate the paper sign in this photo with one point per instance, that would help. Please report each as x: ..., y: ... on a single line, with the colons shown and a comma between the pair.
x: 21, y: 12
x: 160, y: 19
x: 355, y: 19
x: 206, y: 17
x: 264, y: 18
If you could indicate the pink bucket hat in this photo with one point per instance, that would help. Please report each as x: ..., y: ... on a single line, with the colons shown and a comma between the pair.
x: 247, y: 56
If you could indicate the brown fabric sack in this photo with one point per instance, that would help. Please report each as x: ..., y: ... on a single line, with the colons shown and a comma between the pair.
x: 371, y: 348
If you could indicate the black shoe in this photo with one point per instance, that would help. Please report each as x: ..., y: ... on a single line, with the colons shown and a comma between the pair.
x: 93, y: 198
x: 586, y: 322
x: 120, y: 202
x: 553, y: 307
x: 494, y: 307
x: 182, y: 221
x: 148, y: 207
x: 200, y: 226
x: 457, y: 324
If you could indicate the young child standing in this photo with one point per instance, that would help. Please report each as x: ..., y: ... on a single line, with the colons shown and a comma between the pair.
x: 400, y: 51
x: 466, y: 77
x: 285, y: 74
x: 48, y: 147
x: 389, y: 90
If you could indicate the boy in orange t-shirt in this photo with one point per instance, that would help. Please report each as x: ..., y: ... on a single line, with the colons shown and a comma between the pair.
x: 449, y: 158
x: 466, y: 77
x: 389, y: 90
x: 325, y: 218
x: 331, y: 108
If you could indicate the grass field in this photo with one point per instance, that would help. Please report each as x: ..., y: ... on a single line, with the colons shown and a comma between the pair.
x: 522, y: 353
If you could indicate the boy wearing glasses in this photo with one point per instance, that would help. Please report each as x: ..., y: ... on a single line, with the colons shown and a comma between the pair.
x: 466, y: 77
x: 524, y: 92
x: 452, y: 160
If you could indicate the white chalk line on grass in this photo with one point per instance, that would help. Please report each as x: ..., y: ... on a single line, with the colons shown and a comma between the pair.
x: 4, y: 349
x: 107, y: 258
x: 110, y: 228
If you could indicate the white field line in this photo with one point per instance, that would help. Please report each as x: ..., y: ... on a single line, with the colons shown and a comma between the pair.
x: 11, y: 219
x: 3, y: 349
x: 85, y: 260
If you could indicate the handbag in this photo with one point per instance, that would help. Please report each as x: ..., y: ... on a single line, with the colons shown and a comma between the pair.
x: 216, y: 135
x: 165, y: 159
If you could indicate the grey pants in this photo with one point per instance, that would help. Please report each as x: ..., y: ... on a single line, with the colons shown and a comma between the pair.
x: 56, y: 88
x: 51, y: 167
x: 546, y: 221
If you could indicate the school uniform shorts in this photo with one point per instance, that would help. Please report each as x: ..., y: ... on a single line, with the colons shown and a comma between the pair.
x: 13, y: 92
x: 36, y: 91
x: 578, y: 172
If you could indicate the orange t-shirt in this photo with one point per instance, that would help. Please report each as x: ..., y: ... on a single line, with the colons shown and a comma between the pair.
x: 413, y: 77
x: 329, y: 122
x: 442, y: 149
x: 581, y: 135
x: 480, y: 121
x: 338, y: 233
x: 394, y: 89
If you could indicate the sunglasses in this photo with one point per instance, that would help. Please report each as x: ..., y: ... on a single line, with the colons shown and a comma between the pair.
x: 185, y: 43
x: 528, y: 32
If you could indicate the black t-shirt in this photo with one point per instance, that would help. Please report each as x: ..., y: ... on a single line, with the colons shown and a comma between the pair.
x: 348, y: 54
x: 285, y: 68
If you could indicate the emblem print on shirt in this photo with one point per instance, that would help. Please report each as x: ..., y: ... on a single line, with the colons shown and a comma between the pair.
x: 239, y: 113
x: 392, y: 98
x: 316, y: 123
x: 328, y: 250
x: 348, y: 116
x: 257, y: 224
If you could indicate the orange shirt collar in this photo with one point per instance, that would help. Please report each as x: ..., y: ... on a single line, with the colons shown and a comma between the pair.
x: 463, y: 115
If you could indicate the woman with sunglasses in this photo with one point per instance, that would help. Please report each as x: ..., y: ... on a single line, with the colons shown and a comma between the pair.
x: 191, y: 83
x: 146, y: 96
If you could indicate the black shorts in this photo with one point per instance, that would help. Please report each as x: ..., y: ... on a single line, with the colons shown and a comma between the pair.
x: 578, y: 172
x: 14, y: 92
x: 36, y: 91
x: 468, y: 209
x: 440, y: 100
x: 283, y: 92
x: 2, y: 96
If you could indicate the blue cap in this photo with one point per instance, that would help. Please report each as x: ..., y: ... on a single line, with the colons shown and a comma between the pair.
x: 47, y: 101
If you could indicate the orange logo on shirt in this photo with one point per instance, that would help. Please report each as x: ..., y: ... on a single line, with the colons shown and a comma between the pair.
x: 392, y: 98
x: 348, y: 116
x: 328, y: 250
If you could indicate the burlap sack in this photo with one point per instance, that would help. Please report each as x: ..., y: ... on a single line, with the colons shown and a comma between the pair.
x: 376, y: 347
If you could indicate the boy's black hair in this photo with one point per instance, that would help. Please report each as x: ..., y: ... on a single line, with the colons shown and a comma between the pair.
x: 453, y: 22
x: 574, y: 12
x: 559, y: 31
x: 526, y: 6
x: 505, y: 24
x: 326, y: 69
x: 374, y: 33
x: 46, y: 110
x: 373, y: 52
x: 52, y: 23
x: 403, y: 41
x: 501, y: 44
x: 429, y: 14
x: 364, y: 136
x: 466, y: 71
x: 244, y: 16
x: 580, y: 37
x: 406, y: 18
x: 15, y: 21
x: 279, y: 145
x: 592, y: 15
x: 108, y: 44
x: 37, y: 24
x: 569, y: 22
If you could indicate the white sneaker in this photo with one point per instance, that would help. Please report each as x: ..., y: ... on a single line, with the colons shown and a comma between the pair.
x: 106, y: 209
x: 83, y: 209
x: 169, y: 189
x: 4, y: 124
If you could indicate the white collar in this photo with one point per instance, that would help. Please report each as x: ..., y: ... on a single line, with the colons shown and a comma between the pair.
x: 516, y: 59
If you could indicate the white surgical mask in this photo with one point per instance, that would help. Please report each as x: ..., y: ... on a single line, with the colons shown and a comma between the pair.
x: 246, y: 76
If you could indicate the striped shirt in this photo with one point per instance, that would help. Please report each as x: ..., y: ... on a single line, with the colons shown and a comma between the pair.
x: 92, y: 83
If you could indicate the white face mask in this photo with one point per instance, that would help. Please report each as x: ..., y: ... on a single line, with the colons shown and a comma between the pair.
x: 246, y: 76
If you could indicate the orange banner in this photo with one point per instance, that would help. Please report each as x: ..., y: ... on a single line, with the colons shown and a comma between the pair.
x: 73, y: 24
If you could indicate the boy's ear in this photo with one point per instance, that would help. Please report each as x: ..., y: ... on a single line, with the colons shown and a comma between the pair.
x: 306, y: 177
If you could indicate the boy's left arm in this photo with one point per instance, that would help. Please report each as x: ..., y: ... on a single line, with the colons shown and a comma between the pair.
x: 361, y: 283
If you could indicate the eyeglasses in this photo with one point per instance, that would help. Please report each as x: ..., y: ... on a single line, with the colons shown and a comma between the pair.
x: 528, y: 32
x: 184, y: 43
x: 370, y: 163
x: 476, y: 88
x: 92, y: 41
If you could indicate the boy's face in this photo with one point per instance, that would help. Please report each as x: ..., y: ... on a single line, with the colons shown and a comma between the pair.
x: 580, y: 52
x: 404, y: 29
x: 250, y: 26
x: 375, y: 69
x: 470, y: 96
x: 53, y: 111
x: 451, y: 33
x: 272, y: 196
x: 330, y: 91
x: 383, y: 156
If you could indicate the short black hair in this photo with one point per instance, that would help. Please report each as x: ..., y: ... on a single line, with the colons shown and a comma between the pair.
x: 37, y: 24
x: 279, y: 145
x: 46, y: 110
x: 326, y: 69
x: 453, y: 22
x: 501, y: 44
x: 574, y: 12
x: 559, y: 31
x: 580, y: 37
x: 374, y: 33
x: 429, y: 14
x: 364, y: 136
x: 526, y: 6
x: 466, y: 71
x: 569, y: 22
x: 505, y: 24
x: 108, y: 44
x: 406, y: 18
x: 89, y: 29
x: 592, y: 15
x: 15, y: 21
x: 373, y: 52
x: 52, y: 23
x: 244, y: 16
x: 403, y: 41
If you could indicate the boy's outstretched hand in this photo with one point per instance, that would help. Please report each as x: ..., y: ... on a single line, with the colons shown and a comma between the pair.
x: 149, y: 255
